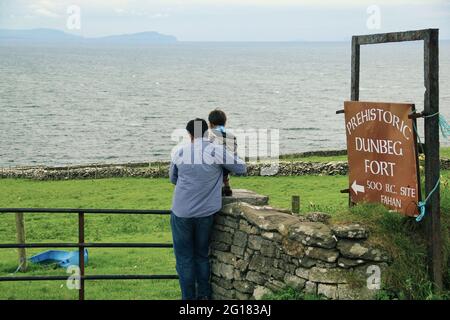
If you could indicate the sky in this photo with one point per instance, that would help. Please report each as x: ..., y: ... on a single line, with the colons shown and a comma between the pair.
x: 230, y: 20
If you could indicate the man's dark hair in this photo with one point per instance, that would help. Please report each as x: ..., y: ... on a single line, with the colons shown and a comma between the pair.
x: 217, y: 117
x: 197, y: 127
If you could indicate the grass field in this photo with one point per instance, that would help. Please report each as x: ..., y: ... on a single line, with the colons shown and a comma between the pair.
x: 444, y: 153
x: 122, y: 193
x: 401, y: 236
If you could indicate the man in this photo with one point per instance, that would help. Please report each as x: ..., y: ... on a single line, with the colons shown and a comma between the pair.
x: 197, y: 172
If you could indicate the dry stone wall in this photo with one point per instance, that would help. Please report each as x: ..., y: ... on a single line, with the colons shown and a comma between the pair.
x: 161, y: 170
x: 257, y: 250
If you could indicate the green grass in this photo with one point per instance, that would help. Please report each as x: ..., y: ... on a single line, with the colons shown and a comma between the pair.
x: 403, y: 239
x: 108, y: 193
x: 288, y: 293
x: 444, y: 153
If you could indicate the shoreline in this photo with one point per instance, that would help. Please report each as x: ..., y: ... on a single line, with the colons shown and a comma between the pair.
x: 287, y: 166
x: 160, y: 169
x: 320, y: 153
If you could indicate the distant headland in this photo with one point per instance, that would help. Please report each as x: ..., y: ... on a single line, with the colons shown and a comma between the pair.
x: 58, y: 36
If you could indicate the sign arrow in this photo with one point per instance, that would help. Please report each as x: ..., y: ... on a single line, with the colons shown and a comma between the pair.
x: 357, y: 188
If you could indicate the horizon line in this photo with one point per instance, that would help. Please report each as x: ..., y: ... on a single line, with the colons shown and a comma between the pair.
x: 178, y: 40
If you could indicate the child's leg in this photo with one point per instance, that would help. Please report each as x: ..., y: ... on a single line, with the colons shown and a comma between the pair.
x: 226, y: 190
x: 226, y: 180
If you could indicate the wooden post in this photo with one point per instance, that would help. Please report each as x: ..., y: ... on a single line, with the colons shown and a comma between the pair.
x: 354, y: 94
x: 432, y: 163
x: 20, y: 233
x: 432, y: 219
x: 81, y: 253
x: 354, y: 87
x: 296, y: 204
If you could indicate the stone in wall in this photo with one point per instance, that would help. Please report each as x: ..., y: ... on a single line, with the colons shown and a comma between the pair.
x: 361, y: 250
x: 257, y: 249
x: 247, y: 196
x: 350, y: 231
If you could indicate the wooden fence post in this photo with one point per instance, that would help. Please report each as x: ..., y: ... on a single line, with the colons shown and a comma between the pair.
x: 432, y: 171
x: 296, y: 204
x: 20, y: 232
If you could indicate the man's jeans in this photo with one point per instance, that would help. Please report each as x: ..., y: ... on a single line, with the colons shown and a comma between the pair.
x: 191, y: 246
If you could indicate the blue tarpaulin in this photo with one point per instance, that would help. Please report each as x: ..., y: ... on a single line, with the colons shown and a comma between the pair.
x: 62, y: 258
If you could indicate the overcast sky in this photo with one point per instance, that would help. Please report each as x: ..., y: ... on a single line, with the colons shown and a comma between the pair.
x: 232, y: 20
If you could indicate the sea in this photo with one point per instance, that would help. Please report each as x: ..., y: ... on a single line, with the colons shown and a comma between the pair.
x: 96, y: 103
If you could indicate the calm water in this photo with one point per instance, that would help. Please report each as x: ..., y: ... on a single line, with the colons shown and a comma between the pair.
x: 84, y: 104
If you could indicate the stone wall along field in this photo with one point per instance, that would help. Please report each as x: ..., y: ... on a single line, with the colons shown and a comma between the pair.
x: 257, y: 249
x: 161, y: 170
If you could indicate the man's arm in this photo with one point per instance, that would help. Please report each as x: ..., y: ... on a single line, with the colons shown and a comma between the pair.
x: 173, y: 173
x: 234, y: 164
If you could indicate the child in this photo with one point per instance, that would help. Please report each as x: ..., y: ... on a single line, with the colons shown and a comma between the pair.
x: 218, y: 135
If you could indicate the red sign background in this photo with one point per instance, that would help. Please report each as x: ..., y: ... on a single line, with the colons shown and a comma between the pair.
x: 382, y: 156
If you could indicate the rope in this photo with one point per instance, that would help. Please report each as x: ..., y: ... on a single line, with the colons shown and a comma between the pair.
x: 422, y: 204
x: 431, y: 115
x: 445, y: 130
x: 443, y: 124
x: 445, y: 127
x: 19, y: 267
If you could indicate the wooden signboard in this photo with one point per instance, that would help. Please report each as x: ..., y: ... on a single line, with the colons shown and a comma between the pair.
x: 382, y: 155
